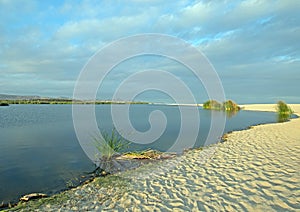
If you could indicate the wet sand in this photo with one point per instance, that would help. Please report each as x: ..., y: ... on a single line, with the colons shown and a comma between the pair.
x: 254, y: 170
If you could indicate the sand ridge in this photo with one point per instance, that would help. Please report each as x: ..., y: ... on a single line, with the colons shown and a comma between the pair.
x: 254, y: 170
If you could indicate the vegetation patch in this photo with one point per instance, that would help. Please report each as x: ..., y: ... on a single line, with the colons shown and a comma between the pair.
x: 229, y: 105
x: 284, y: 112
x: 212, y: 105
x: 64, y: 101
x: 109, y: 146
x: 57, y: 199
x: 112, y: 181
x: 4, y: 104
x: 147, y: 154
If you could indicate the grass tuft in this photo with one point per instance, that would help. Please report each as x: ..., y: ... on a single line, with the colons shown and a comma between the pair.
x: 284, y: 112
x: 108, y: 146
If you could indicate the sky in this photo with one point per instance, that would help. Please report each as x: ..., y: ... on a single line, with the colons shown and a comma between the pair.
x: 253, y: 45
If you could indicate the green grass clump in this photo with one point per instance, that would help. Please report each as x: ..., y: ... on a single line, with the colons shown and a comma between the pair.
x: 283, y: 108
x: 34, y: 205
x: 284, y: 112
x: 108, y: 146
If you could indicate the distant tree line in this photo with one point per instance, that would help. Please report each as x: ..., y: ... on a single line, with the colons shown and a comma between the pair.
x: 63, y: 101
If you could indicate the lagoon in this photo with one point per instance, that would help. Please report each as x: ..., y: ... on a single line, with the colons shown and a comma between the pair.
x: 39, y: 150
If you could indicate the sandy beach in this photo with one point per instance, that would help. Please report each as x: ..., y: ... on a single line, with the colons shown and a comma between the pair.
x: 254, y: 170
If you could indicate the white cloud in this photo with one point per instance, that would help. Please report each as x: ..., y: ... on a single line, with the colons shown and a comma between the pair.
x: 52, y: 41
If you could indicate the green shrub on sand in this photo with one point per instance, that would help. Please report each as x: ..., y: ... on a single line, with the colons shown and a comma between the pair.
x: 284, y: 112
x: 283, y: 108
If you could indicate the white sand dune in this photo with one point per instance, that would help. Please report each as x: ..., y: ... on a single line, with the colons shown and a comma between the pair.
x: 269, y: 107
x: 254, y: 170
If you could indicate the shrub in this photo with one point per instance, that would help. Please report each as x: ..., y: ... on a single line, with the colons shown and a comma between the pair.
x: 230, y: 105
x: 284, y: 112
x: 283, y: 108
x: 4, y: 104
x: 108, y: 146
x: 212, y: 105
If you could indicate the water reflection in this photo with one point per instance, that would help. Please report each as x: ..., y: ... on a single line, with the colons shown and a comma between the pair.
x: 44, y: 137
x: 231, y: 113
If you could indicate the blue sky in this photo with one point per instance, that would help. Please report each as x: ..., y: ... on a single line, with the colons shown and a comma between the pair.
x: 254, y: 45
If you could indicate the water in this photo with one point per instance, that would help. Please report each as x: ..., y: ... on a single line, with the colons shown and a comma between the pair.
x: 39, y: 151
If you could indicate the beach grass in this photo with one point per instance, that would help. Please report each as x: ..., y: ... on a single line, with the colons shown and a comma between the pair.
x: 284, y: 111
x: 108, y: 146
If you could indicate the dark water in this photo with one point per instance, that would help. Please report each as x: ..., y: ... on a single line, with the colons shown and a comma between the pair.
x: 39, y: 151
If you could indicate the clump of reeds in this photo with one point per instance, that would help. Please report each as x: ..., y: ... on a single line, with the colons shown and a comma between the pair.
x: 284, y: 112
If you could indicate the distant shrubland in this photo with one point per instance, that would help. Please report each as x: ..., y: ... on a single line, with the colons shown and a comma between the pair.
x: 65, y: 101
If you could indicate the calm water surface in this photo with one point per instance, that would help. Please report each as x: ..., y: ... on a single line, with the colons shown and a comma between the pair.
x: 39, y: 151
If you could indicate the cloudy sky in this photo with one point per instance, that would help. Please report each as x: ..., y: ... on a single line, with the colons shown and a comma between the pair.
x: 253, y: 45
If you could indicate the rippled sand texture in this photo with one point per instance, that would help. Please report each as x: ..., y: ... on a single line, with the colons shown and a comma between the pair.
x: 256, y: 169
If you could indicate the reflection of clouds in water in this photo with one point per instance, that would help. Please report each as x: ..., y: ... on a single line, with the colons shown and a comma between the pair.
x: 101, y: 65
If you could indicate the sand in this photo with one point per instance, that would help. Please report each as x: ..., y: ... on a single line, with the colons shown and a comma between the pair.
x: 254, y: 170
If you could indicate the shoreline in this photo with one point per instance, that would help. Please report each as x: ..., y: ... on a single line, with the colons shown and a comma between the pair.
x: 233, y: 140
